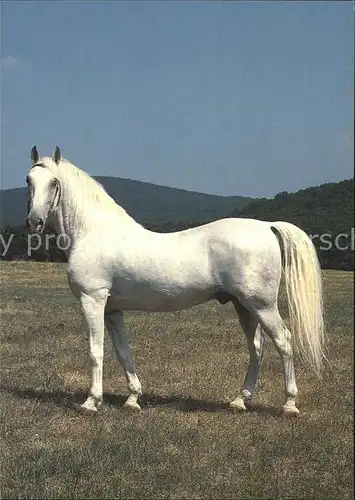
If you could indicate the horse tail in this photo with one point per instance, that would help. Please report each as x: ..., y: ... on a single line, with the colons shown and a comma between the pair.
x: 303, y: 283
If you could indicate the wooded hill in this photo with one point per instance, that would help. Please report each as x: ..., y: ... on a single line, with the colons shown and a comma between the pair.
x: 146, y: 203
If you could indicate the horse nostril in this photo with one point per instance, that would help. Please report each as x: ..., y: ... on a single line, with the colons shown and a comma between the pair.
x: 34, y: 224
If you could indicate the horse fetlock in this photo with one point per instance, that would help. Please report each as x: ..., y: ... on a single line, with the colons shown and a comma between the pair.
x: 133, y: 384
x: 135, y: 389
x: 246, y: 394
x: 96, y: 397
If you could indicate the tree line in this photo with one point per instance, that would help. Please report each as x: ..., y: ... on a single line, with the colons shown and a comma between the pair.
x: 330, y: 255
x: 325, y: 213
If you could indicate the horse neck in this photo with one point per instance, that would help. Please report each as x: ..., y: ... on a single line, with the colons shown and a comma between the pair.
x: 75, y: 221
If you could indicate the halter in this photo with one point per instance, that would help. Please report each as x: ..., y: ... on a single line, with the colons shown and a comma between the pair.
x: 58, y: 190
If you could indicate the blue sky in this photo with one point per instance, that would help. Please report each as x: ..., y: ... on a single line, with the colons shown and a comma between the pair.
x: 245, y: 98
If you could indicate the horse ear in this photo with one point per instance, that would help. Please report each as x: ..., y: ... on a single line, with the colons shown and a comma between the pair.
x: 57, y: 155
x: 34, y: 155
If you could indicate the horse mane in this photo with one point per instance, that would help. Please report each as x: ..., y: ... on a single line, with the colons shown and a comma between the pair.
x: 83, y: 193
x: 75, y: 181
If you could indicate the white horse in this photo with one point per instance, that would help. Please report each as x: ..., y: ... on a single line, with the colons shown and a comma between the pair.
x: 115, y: 264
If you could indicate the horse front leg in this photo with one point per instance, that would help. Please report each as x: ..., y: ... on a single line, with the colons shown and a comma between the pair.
x: 93, y: 307
x: 115, y: 325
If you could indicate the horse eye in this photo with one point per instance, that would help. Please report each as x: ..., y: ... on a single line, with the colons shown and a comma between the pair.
x: 27, y: 179
x: 54, y: 183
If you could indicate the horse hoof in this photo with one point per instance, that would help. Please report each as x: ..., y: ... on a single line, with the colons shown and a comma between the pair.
x: 89, y: 409
x: 238, y: 405
x: 90, y: 405
x: 291, y: 411
x: 132, y: 405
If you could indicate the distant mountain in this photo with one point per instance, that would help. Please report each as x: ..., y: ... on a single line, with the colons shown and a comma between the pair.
x: 326, y: 210
x: 147, y: 203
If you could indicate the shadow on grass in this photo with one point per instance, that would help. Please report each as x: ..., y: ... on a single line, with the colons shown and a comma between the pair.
x: 181, y: 403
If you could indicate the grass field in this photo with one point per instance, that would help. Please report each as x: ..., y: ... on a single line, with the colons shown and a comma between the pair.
x: 185, y: 443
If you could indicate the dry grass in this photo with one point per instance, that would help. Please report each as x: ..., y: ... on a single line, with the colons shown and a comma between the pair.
x: 185, y: 443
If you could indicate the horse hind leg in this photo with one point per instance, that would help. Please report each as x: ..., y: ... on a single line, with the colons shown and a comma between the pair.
x: 255, y: 338
x: 274, y: 326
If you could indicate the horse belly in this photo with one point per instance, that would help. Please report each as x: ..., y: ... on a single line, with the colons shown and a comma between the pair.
x: 155, y: 297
